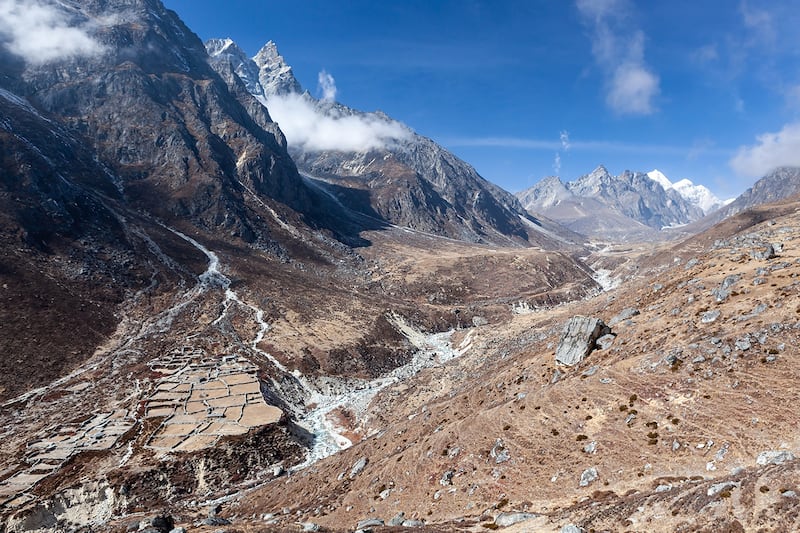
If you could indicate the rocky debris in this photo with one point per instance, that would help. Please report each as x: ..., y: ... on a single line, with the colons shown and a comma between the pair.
x: 744, y: 343
x: 591, y: 447
x: 163, y: 523
x: 717, y: 488
x: 499, y: 452
x: 447, y: 478
x: 605, y: 342
x: 310, y: 526
x: 774, y: 457
x: 709, y: 316
x: 413, y: 523
x: 398, y: 519
x: 216, y: 521
x: 763, y: 252
x: 509, y: 519
x: 625, y: 314
x: 358, y: 467
x: 572, y: 528
x: 369, y: 523
x: 588, y: 476
x: 579, y: 339
x: 478, y: 321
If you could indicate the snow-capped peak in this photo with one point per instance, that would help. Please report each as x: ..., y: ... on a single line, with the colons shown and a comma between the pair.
x: 699, y: 195
x: 660, y: 178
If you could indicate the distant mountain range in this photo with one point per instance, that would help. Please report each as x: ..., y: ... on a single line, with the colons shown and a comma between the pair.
x: 633, y: 205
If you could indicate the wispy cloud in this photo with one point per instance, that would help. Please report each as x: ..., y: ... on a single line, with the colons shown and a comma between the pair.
x: 631, y: 86
x: 314, y: 127
x: 770, y: 151
x: 327, y: 86
x: 41, y: 33
x: 563, y: 137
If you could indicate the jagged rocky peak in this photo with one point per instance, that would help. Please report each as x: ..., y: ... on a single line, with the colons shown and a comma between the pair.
x: 227, y: 50
x: 594, y: 181
x: 275, y: 74
x: 549, y: 192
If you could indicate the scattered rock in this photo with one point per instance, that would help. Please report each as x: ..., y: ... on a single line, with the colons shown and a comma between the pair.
x: 311, y: 526
x: 625, y: 314
x: 591, y: 447
x: 763, y: 252
x: 447, y: 478
x: 591, y: 371
x: 499, y: 452
x: 709, y: 316
x: 358, y: 467
x: 789, y: 494
x: 216, y: 521
x: 730, y: 281
x: 579, y: 339
x: 509, y: 519
x: 774, y: 457
x: 743, y: 343
x: 605, y: 342
x: 479, y: 321
x: 588, y: 476
x: 572, y: 528
x: 413, y: 523
x: 398, y: 519
x: 720, y: 294
x: 369, y: 523
x: 162, y: 523
x: 716, y: 488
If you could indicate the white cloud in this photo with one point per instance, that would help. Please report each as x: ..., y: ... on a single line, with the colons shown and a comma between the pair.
x: 632, y: 90
x: 312, y: 127
x: 564, y: 137
x: 327, y: 86
x: 619, y: 51
x: 40, y: 33
x: 772, y: 150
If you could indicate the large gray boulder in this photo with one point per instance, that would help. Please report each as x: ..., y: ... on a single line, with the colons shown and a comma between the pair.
x: 579, y: 339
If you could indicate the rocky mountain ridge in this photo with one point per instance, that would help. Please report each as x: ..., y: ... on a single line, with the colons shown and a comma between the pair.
x: 406, y: 179
x: 630, y: 206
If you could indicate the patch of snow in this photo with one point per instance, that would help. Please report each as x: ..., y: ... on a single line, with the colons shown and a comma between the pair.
x: 660, y: 178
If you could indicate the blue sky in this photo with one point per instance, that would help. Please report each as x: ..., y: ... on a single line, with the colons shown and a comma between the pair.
x: 708, y: 90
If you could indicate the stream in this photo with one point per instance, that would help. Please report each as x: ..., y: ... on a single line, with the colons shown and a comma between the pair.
x: 323, y: 395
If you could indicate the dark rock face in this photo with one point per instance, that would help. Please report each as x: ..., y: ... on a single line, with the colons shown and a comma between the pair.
x: 183, y: 145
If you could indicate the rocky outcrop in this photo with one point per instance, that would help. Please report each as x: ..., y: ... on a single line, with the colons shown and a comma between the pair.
x: 579, y: 339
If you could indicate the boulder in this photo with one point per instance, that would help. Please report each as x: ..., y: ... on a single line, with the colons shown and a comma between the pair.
x: 625, y: 314
x: 398, y: 519
x: 509, y: 519
x: 588, y: 476
x: 579, y: 339
x: 369, y: 523
x: 774, y: 457
x: 358, y: 467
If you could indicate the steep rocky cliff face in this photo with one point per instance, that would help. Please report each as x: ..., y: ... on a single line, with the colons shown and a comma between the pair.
x: 165, y: 123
